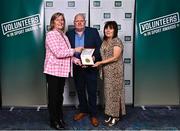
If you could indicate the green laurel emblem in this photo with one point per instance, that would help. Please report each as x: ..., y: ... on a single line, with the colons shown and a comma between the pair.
x: 87, y: 60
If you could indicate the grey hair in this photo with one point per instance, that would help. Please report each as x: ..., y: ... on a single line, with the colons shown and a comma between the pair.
x: 80, y: 14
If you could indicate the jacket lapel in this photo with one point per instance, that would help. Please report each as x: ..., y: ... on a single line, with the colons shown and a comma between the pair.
x: 73, y: 39
x: 85, y: 38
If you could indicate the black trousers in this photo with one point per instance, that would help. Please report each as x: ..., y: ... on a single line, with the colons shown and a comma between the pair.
x: 55, y: 97
x: 86, y: 86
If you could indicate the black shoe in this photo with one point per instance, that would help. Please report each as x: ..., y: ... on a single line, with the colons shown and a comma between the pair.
x: 57, y: 125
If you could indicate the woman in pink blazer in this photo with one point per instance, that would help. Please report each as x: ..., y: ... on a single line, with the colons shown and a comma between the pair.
x: 58, y: 66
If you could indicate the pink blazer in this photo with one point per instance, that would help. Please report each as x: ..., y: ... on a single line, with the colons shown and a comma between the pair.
x: 58, y: 59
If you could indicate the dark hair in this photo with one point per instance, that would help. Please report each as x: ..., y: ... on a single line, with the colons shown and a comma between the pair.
x: 112, y: 25
x: 54, y: 16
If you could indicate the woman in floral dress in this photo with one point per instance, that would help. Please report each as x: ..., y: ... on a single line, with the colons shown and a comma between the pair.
x: 112, y: 72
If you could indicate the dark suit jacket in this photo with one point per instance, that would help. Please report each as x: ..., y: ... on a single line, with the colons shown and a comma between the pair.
x: 91, y: 40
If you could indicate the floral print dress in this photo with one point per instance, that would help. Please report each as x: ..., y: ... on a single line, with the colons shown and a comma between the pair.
x: 113, y: 76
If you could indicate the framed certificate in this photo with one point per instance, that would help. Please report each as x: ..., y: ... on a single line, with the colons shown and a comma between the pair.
x: 86, y: 56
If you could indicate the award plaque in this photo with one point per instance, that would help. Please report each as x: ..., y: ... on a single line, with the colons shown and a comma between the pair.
x: 86, y: 56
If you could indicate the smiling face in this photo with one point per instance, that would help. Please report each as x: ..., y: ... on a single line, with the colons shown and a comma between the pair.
x: 109, y: 32
x: 79, y: 23
x: 59, y: 23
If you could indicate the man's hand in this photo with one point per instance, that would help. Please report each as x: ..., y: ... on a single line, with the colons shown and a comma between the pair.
x: 78, y: 49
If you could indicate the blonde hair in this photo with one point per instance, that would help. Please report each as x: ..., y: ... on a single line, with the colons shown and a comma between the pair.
x: 54, y: 16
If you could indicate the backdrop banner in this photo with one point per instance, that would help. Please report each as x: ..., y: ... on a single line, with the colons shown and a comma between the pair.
x: 97, y: 12
x: 157, y: 56
x: 22, y: 53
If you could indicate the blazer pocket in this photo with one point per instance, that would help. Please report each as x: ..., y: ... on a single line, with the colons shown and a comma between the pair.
x: 53, y: 60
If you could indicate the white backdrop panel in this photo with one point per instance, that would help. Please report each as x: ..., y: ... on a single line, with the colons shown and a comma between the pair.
x: 121, y: 11
x: 69, y: 7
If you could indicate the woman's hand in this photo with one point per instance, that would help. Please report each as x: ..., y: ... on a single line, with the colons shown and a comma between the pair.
x: 97, y: 64
x: 78, y: 62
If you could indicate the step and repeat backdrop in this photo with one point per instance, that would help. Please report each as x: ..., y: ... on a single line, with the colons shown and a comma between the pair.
x: 154, y: 55
x: 121, y: 11
x: 97, y: 12
x: 22, y: 45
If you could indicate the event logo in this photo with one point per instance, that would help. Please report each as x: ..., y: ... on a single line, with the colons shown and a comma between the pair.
x: 128, y: 15
x: 127, y: 82
x: 117, y: 3
x: 49, y: 3
x: 127, y: 60
x: 96, y: 3
x: 98, y: 27
x: 160, y: 24
x: 119, y: 27
x: 127, y: 38
x: 71, y: 3
x: 107, y: 15
x: 20, y: 26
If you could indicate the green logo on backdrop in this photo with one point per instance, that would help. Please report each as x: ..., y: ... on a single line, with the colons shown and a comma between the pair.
x: 160, y: 24
x: 96, y: 3
x: 117, y: 3
x: 21, y: 26
x: 98, y: 27
x: 71, y: 3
